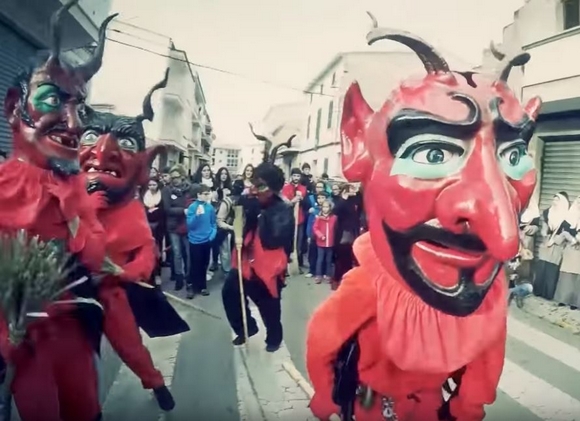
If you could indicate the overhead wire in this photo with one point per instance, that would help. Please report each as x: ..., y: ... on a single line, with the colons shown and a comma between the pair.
x: 203, y: 66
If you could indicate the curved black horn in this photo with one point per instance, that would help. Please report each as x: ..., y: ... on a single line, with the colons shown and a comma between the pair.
x: 91, y: 67
x: 275, y: 149
x: 431, y: 59
x: 267, y: 143
x: 55, y: 30
x: 517, y: 60
x: 497, y: 53
x: 148, y: 113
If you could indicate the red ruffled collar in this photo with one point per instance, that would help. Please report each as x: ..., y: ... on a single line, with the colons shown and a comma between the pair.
x: 26, y: 191
x: 417, y: 337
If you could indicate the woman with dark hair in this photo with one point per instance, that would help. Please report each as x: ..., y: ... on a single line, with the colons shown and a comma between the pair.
x: 203, y: 175
x: 223, y: 183
x: 347, y: 206
x: 245, y: 183
x: 152, y: 200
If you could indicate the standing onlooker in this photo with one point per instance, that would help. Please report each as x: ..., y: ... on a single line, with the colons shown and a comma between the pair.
x: 204, y: 175
x: 326, y: 180
x: 547, y: 267
x: 316, y: 201
x: 335, y: 192
x: 306, y: 178
x: 153, y: 202
x: 296, y: 194
x: 346, y: 209
x: 175, y: 200
x: 245, y: 183
x: 324, y: 227
x: 224, y: 204
x: 201, y: 231
x: 568, y: 288
x: 225, y: 220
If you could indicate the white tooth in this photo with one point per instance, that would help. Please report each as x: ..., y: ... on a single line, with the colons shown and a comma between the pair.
x: 92, y: 170
x: 114, y: 174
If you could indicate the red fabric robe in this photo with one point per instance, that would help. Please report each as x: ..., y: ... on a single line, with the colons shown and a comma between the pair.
x: 424, y: 348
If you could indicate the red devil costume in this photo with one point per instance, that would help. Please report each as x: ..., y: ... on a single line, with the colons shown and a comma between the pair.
x: 115, y: 161
x: 42, y: 193
x: 445, y: 170
x: 268, y: 234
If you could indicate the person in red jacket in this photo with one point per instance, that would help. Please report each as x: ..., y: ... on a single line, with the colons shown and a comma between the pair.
x: 445, y: 168
x: 323, y: 230
x: 115, y: 162
x: 296, y: 193
x: 268, y: 235
x: 42, y: 193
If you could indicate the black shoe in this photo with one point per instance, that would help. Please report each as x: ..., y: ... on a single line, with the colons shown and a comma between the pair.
x: 213, y: 267
x: 239, y: 340
x: 204, y: 292
x: 164, y: 398
x: 273, y: 348
x: 178, y: 284
x: 190, y: 293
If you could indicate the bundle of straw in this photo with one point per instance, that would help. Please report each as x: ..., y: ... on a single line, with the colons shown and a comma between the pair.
x: 32, y: 275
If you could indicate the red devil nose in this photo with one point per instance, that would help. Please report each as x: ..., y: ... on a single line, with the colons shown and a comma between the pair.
x: 106, y: 149
x: 486, y: 206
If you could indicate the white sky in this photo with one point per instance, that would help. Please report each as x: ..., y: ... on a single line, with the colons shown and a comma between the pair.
x: 289, y: 42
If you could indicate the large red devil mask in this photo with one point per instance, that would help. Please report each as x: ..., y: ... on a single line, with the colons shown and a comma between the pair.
x: 43, y: 104
x: 445, y: 170
x: 113, y: 153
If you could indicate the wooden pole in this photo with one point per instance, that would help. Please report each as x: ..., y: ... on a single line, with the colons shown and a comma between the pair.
x: 239, y: 234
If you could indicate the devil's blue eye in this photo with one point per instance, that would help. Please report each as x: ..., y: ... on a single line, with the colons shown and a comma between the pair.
x: 515, y: 160
x: 429, y: 156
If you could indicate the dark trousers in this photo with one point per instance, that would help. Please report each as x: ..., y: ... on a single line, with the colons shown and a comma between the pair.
x: 343, y: 260
x: 270, y: 308
x: 312, y: 256
x: 215, y: 249
x: 158, y: 234
x: 324, y: 261
x: 199, y: 255
x: 301, y: 251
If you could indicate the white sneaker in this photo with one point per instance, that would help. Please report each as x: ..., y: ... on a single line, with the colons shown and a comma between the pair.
x: 208, y: 276
x: 308, y: 275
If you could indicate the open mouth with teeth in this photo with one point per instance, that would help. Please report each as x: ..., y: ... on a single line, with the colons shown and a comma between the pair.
x: 453, y: 258
x: 95, y: 170
x: 65, y: 140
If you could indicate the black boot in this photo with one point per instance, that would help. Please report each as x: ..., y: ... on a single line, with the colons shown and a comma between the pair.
x: 178, y: 282
x: 240, y: 340
x: 164, y: 398
x: 190, y: 293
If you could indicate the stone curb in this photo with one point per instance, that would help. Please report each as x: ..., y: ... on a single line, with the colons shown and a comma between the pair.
x: 189, y: 304
x: 299, y: 379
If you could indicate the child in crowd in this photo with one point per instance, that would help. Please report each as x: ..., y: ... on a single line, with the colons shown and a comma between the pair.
x: 315, y: 204
x: 201, y: 231
x: 519, y: 287
x: 323, y: 229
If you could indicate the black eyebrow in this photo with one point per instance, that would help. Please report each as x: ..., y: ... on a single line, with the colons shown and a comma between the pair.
x: 409, y: 122
x: 506, y: 131
x: 126, y: 130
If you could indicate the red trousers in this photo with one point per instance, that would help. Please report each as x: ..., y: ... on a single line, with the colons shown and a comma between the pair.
x: 122, y: 331
x: 57, y: 379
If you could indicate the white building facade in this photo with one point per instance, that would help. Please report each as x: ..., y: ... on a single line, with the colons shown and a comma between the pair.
x: 550, y: 31
x: 24, y: 30
x: 181, y: 121
x: 228, y: 156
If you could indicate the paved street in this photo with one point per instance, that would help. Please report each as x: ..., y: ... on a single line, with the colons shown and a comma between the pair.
x: 213, y: 380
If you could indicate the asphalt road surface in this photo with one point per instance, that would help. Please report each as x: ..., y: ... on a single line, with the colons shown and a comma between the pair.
x: 541, y: 378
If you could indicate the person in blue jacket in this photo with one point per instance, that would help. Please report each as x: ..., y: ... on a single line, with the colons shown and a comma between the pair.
x: 201, y: 231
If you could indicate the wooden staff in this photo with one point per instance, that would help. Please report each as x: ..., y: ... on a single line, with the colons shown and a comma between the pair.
x: 239, y: 234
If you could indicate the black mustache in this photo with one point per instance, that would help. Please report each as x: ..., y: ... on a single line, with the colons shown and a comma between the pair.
x: 440, y: 236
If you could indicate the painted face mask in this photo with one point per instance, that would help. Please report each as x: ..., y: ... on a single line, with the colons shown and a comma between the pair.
x: 445, y: 168
x: 113, y: 153
x: 44, y: 104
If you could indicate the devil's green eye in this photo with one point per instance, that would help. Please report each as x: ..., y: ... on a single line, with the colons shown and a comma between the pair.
x: 515, y: 160
x: 429, y: 156
x: 47, y: 99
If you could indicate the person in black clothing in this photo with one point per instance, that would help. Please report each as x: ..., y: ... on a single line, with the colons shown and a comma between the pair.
x: 268, y: 235
x: 153, y: 203
x: 306, y: 178
x: 347, y: 207
x: 242, y: 185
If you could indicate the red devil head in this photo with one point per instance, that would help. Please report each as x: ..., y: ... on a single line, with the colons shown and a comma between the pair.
x: 113, y: 151
x: 43, y: 104
x: 446, y: 170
